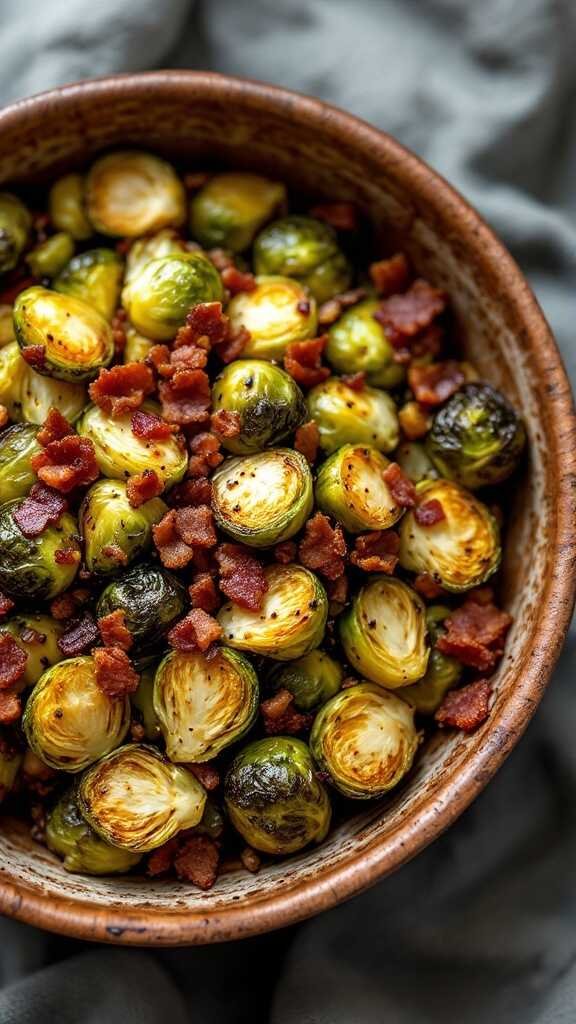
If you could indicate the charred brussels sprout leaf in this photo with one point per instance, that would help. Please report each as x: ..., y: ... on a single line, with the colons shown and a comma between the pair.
x: 204, y: 705
x: 66, y: 206
x: 265, y: 498
x: 442, y: 674
x: 15, y: 224
x: 345, y: 416
x: 158, y: 298
x: 415, y: 462
x: 38, y: 394
x: 151, y: 599
x: 384, y: 634
x: 17, y: 445
x: 76, y: 340
x: 94, y: 277
x: 350, y: 487
x: 82, y: 850
x: 232, y: 207
x: 273, y: 797
x: 48, y: 258
x: 137, y: 800
x: 143, y: 704
x: 459, y: 552
x: 107, y: 520
x: 269, y: 403
x: 69, y: 721
x: 130, y: 193
x: 305, y: 249
x: 28, y: 568
x: 120, y: 454
x: 365, y: 740
x: 279, y: 311
x: 476, y: 438
x: 358, y: 344
x: 291, y: 621
x: 312, y: 680
x: 37, y: 635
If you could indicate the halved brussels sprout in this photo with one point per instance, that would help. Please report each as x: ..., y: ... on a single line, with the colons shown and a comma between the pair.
x: 120, y: 454
x: 291, y: 621
x: 264, y: 498
x: 69, y: 721
x: 357, y: 343
x: 384, y: 633
x: 39, y: 394
x: 66, y: 207
x: 267, y: 399
x: 415, y: 462
x: 137, y: 800
x: 137, y: 347
x: 232, y: 207
x: 442, y: 674
x: 17, y: 446
x: 143, y: 705
x: 82, y: 850
x: 312, y: 680
x: 152, y: 247
x: 350, y: 487
x: 15, y: 224
x: 278, y: 312
x: 10, y: 761
x: 6, y: 325
x: 159, y: 297
x: 274, y: 798
x: 76, y: 340
x: 13, y: 371
x: 477, y: 438
x: 48, y: 258
x: 151, y: 599
x: 131, y: 193
x: 365, y: 740
x: 204, y: 705
x: 459, y: 552
x: 28, y: 568
x: 306, y: 249
x: 94, y: 277
x: 37, y: 635
x: 346, y: 416
x: 107, y: 520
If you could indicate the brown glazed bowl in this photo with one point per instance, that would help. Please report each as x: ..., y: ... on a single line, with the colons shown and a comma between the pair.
x: 205, y: 118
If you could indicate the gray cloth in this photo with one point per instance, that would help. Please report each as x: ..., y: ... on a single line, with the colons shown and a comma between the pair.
x: 481, y: 928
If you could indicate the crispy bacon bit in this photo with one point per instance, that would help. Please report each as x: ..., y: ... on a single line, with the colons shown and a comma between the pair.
x: 42, y: 507
x: 115, y: 552
x: 204, y: 561
x: 355, y: 381
x: 428, y: 513
x: 427, y: 587
x: 195, y: 525
x: 376, y: 551
x: 208, y: 319
x: 241, y: 576
x: 330, y: 310
x: 433, y: 384
x: 114, y: 672
x: 114, y: 631
x: 307, y: 440
x: 150, y: 427
x: 250, y: 859
x: 67, y: 463
x: 187, y: 357
x: 161, y: 861
x: 118, y: 326
x: 236, y: 281
x: 280, y: 717
x: 323, y: 547
x: 390, y: 276
x: 158, y: 359
x: 303, y: 307
x: 122, y: 388
x: 233, y: 345
x: 185, y: 397
x: 303, y: 361
x: 206, y: 454
x: 466, y: 708
x: 285, y: 552
x: 143, y: 487
x: 401, y: 488
x: 428, y: 343
x: 206, y: 774
x: 203, y: 593
x: 337, y: 591
x: 191, y: 492
x: 64, y: 606
x: 475, y: 634
x: 55, y: 427
x: 414, y: 421
x: 12, y: 661
x: 4, y: 416
x: 197, y: 862
x: 225, y: 423
x: 10, y: 707
x: 81, y: 634
x: 34, y: 355
x: 341, y: 216
x: 66, y: 556
x: 221, y: 258
x: 6, y: 605
x: 174, y: 552
x: 406, y: 315
x: 197, y: 631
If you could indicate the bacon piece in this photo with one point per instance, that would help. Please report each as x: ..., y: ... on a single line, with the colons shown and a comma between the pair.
x: 187, y: 357
x: 150, y: 427
x: 303, y: 361
x: 195, y: 525
x: 376, y: 551
x: 12, y: 661
x: 197, y: 631
x: 122, y: 388
x: 66, y: 556
x: 115, y: 674
x: 414, y: 421
x: 401, y: 488
x: 427, y: 587
x: 233, y: 345
x: 195, y: 180
x: 208, y: 319
x: 241, y: 576
x: 406, y: 315
x: 337, y: 591
x: 143, y: 487
x: 206, y: 774
x: 35, y: 356
x: 433, y: 384
x: 330, y: 310
x: 10, y: 707
x: 6, y: 605
x: 64, y: 606
x: 475, y: 634
x: 42, y: 507
x: 54, y: 428
x: 390, y: 276
x: 203, y: 593
x: 323, y: 547
x: 226, y: 423
x: 4, y: 416
x: 280, y: 717
x: 114, y: 631
x: 307, y: 440
x: 174, y: 552
x: 428, y: 513
x: 206, y: 454
x: 161, y: 861
x: 285, y: 552
x: 236, y: 281
x: 341, y: 216
x: 66, y: 464
x: 355, y: 381
x: 185, y: 397
x: 191, y: 492
x: 467, y: 707
x: 197, y: 862
x: 250, y: 859
x: 115, y: 552
x: 158, y: 359
x: 303, y: 306
x: 221, y: 258
x: 80, y: 635
x: 118, y: 326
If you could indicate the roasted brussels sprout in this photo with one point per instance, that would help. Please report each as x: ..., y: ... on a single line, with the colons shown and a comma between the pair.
x: 365, y: 740
x: 159, y: 297
x: 13, y: 371
x: 312, y: 680
x: 383, y: 633
x: 137, y: 800
x: 38, y: 394
x: 232, y: 207
x: 48, y: 258
x: 69, y: 721
x: 37, y: 635
x: 291, y: 621
x: 137, y: 347
x: 82, y: 850
x: 143, y: 704
x: 357, y: 343
x: 28, y: 568
x: 278, y: 312
x: 107, y: 520
x: 204, y: 705
x: 268, y: 401
x: 212, y: 823
x: 17, y: 445
x: 274, y: 798
x: 152, y: 247
x: 350, y: 487
x: 76, y: 340
x: 131, y: 193
x: 345, y: 416
x: 66, y: 206
x: 151, y: 599
x: 120, y: 454
x: 15, y: 224
x: 10, y: 761
x: 459, y: 552
x: 442, y: 674
x: 414, y: 461
x: 94, y: 277
x: 6, y: 325
x: 476, y: 438
x: 264, y: 498
x: 306, y: 249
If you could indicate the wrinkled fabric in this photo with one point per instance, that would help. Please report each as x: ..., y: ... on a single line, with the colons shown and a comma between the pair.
x: 481, y: 927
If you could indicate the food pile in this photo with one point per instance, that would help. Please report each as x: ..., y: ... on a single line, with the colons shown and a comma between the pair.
x: 243, y: 559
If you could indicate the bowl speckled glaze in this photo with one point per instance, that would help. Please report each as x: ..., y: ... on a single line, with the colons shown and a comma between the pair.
x: 205, y: 118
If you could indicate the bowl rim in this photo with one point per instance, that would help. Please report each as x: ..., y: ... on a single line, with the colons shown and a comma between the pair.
x: 357, y: 871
